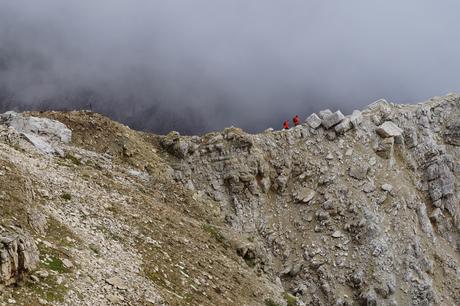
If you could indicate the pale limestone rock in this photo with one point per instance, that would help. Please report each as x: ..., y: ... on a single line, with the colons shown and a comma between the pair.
x: 313, y: 121
x: 389, y: 129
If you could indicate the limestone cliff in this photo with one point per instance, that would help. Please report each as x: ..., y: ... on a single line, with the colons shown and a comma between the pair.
x: 342, y: 210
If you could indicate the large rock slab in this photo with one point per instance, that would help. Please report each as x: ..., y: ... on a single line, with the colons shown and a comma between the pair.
x: 39, y: 143
x: 43, y: 127
x: 332, y: 119
x: 389, y: 129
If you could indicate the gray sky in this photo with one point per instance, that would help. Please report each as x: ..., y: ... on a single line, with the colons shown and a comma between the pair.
x: 201, y: 65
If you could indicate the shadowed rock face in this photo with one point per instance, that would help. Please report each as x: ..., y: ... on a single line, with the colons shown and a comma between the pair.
x: 18, y: 256
x: 343, y: 210
x: 453, y: 133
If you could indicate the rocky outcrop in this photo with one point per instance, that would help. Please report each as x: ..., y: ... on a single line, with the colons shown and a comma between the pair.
x: 453, y: 133
x: 18, y: 256
x: 44, y: 134
x: 353, y: 174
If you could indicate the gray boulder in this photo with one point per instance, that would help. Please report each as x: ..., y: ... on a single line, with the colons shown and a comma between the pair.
x: 389, y: 129
x: 356, y: 118
x: 359, y: 171
x: 313, y: 121
x: 343, y: 126
x: 332, y: 119
x: 324, y: 113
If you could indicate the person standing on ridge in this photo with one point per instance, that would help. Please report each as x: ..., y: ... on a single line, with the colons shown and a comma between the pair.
x: 286, y: 125
x: 296, y: 120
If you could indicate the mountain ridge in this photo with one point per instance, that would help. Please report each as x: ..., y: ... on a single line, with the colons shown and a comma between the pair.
x: 341, y: 210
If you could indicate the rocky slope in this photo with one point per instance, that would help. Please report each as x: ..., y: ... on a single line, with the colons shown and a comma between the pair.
x: 342, y: 210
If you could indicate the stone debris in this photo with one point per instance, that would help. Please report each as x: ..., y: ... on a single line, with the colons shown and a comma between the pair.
x: 67, y: 263
x: 387, y: 187
x: 337, y: 234
x: 358, y: 171
x: 304, y: 196
x: 117, y: 282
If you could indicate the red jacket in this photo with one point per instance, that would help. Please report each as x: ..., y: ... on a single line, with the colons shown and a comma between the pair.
x: 296, y: 120
x: 286, y: 125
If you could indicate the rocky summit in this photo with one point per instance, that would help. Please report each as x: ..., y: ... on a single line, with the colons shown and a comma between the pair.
x: 358, y: 209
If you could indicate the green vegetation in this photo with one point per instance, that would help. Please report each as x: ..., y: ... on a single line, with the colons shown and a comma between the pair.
x: 290, y: 299
x: 56, y: 264
x: 58, y: 233
x: 66, y: 196
x: 48, y: 289
x: 94, y: 248
x: 251, y: 262
x: 214, y: 233
x: 270, y: 302
x: 73, y: 159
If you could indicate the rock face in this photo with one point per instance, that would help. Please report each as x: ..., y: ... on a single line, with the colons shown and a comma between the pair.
x: 360, y: 209
x: 453, y: 133
x: 18, y: 256
x: 354, y: 175
x: 50, y: 129
x: 42, y: 133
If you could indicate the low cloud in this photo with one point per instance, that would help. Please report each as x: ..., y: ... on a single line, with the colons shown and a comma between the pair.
x: 201, y: 65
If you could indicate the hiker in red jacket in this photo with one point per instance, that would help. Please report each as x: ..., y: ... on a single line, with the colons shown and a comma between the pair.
x: 296, y: 120
x: 286, y: 125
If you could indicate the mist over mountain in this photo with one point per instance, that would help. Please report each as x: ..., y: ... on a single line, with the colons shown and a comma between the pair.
x: 203, y: 65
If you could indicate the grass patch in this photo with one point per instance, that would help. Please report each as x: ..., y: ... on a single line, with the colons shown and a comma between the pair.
x: 48, y: 290
x: 66, y: 196
x: 58, y: 232
x: 214, y: 233
x: 251, y: 262
x: 56, y: 264
x: 17, y: 147
x: 270, y: 302
x: 73, y: 159
x: 290, y: 299
x: 156, y: 278
x: 95, y: 249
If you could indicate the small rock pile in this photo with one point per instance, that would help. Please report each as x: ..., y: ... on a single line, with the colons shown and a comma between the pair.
x: 336, y: 120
